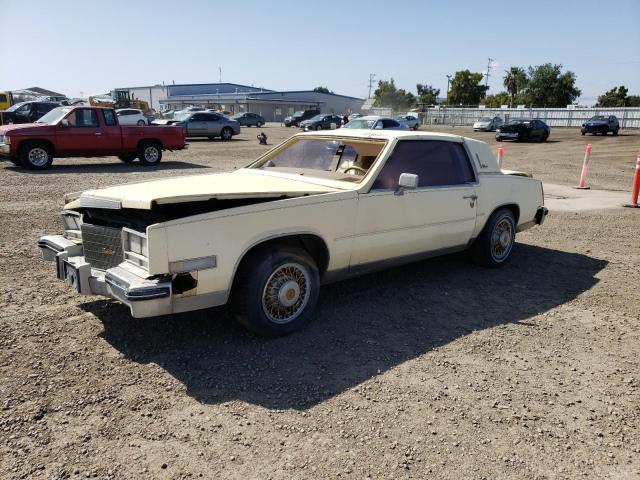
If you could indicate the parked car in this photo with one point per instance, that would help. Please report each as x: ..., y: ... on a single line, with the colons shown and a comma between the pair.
x: 205, y: 124
x: 601, y: 124
x: 26, y: 112
x: 487, y: 124
x: 521, y: 129
x: 409, y: 120
x: 375, y: 122
x: 295, y: 119
x: 85, y: 132
x: 315, y: 209
x: 131, y: 116
x: 323, y: 121
x: 248, y: 119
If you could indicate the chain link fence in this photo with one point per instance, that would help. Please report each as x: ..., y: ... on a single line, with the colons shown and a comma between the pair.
x: 554, y: 117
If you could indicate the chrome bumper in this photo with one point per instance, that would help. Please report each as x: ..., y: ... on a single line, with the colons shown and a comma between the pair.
x: 144, y: 297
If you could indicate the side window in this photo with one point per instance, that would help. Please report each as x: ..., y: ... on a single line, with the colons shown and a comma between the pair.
x: 43, y: 108
x: 3, y: 97
x: 198, y: 117
x: 109, y: 118
x: 435, y: 162
x: 83, y: 117
x: 389, y: 123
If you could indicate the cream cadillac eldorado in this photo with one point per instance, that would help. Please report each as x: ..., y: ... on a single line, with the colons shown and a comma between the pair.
x: 319, y: 207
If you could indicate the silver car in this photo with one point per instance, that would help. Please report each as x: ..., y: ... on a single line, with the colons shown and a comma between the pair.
x: 487, y: 124
x: 409, y: 120
x: 206, y: 124
x: 376, y: 122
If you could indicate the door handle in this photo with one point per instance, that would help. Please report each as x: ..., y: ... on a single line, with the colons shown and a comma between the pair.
x: 98, y: 134
x: 473, y: 196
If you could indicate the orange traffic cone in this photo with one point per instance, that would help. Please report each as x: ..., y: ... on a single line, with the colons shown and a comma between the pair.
x: 635, y: 190
x: 585, y: 169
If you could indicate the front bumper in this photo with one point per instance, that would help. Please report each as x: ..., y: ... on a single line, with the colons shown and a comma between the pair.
x: 5, y: 150
x: 511, y: 135
x: 144, y: 297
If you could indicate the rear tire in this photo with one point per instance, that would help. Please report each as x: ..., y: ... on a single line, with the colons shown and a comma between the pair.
x: 127, y: 157
x: 276, y: 290
x: 259, y: 124
x: 493, y: 246
x: 141, y: 123
x: 149, y: 153
x: 36, y: 156
x: 615, y: 132
x: 318, y: 128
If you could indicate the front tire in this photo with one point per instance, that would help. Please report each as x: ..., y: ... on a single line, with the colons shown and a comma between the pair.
x: 150, y: 153
x: 493, y: 246
x: 226, y: 134
x: 615, y: 132
x: 141, y: 123
x: 36, y: 156
x: 318, y: 128
x: 276, y: 290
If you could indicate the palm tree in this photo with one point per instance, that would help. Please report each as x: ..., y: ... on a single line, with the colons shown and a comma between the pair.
x: 514, y: 80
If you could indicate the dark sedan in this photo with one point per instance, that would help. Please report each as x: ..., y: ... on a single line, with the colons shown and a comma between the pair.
x: 248, y: 119
x: 601, y: 124
x: 322, y: 121
x: 522, y: 129
x: 26, y: 112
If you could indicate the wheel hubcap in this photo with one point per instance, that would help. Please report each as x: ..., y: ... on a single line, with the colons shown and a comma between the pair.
x: 501, y: 240
x: 286, y: 293
x: 38, y: 157
x: 151, y: 154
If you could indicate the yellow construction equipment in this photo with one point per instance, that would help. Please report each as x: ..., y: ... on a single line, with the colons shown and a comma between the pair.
x: 121, y: 99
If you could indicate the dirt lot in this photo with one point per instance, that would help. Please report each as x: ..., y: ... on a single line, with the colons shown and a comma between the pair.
x: 436, y: 370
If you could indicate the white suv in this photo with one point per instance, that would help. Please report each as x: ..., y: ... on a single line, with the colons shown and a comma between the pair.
x: 131, y: 116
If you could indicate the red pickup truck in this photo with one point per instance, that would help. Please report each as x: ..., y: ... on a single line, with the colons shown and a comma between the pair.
x: 85, y: 132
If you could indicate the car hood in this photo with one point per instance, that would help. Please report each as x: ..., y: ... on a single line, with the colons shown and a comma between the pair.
x: 596, y: 123
x: 482, y: 123
x: 25, y: 128
x: 244, y: 183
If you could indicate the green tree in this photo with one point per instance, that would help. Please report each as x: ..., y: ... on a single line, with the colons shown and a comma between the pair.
x: 389, y: 96
x: 466, y: 88
x: 322, y: 90
x: 616, y: 97
x: 497, y: 100
x: 633, y: 101
x: 427, y: 94
x: 514, y: 81
x: 548, y: 86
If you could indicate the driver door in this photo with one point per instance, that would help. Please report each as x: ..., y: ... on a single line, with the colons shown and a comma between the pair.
x: 197, y: 125
x: 437, y: 216
x: 81, y: 135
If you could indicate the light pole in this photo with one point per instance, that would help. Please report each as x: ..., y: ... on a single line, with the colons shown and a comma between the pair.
x: 448, y: 82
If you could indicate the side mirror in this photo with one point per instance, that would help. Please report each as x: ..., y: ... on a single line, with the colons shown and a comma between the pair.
x: 65, y: 123
x: 407, y: 181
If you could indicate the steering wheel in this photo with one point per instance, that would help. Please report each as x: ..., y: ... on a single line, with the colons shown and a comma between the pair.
x: 362, y: 171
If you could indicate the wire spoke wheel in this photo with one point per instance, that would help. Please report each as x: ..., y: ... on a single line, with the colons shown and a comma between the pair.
x: 286, y: 293
x: 502, y: 239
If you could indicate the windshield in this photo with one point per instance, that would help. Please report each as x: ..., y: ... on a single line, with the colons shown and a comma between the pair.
x: 297, y: 114
x: 317, y: 118
x: 54, y: 116
x: 518, y: 120
x: 485, y: 119
x: 338, y: 159
x: 181, y: 117
x: 598, y: 117
x: 358, y: 123
x: 13, y: 108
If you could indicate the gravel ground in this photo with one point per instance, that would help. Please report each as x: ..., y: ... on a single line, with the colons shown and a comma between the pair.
x: 438, y: 369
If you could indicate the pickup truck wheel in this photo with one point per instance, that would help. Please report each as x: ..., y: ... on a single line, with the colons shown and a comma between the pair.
x: 36, y: 156
x: 149, y: 153
x: 493, y: 247
x: 276, y: 291
x: 226, y: 133
x: 127, y: 157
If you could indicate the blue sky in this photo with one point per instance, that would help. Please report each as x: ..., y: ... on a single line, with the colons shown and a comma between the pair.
x: 92, y: 47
